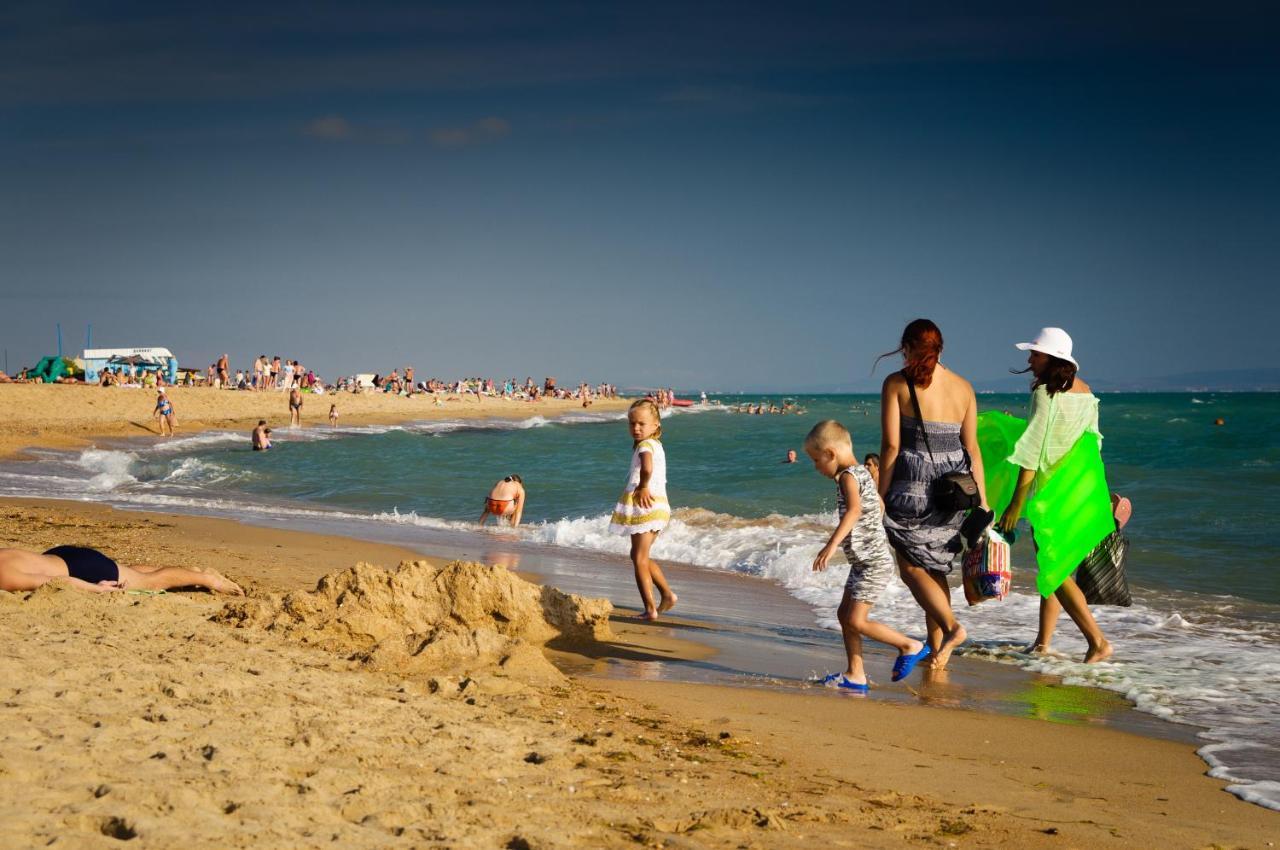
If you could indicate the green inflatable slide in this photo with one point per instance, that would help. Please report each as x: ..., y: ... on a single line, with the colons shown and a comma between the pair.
x: 50, y: 369
x: 1070, y: 506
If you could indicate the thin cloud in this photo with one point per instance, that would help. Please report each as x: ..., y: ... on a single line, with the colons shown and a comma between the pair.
x: 333, y: 127
x: 743, y: 98
x: 336, y: 128
x: 481, y: 132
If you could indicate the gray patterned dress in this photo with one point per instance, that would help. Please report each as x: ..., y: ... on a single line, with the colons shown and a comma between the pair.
x: 871, y: 565
x: 920, y: 533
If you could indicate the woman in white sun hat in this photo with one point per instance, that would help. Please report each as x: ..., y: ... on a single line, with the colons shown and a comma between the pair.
x: 1063, y: 408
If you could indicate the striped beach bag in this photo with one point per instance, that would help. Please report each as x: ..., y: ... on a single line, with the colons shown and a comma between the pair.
x: 1101, y: 577
x: 986, y: 570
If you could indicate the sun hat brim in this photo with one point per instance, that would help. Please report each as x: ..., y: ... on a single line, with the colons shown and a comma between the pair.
x: 1031, y: 346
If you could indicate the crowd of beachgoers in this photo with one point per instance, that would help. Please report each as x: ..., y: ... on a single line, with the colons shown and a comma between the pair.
x: 283, y: 375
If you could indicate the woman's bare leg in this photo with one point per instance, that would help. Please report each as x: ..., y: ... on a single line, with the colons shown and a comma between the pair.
x: 928, y: 590
x: 1050, y: 609
x: 1077, y: 608
x: 933, y: 633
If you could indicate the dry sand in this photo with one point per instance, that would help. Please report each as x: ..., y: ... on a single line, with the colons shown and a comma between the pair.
x: 307, y: 719
x: 71, y: 415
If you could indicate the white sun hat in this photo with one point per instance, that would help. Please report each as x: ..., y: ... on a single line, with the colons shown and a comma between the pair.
x: 1052, y: 341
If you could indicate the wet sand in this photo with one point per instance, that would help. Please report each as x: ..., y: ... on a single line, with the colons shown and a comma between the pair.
x: 137, y: 717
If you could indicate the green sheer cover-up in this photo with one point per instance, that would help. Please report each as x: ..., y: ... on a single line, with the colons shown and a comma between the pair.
x: 1070, y: 506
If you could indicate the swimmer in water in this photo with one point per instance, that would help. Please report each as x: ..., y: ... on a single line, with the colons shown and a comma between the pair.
x: 505, y: 501
x: 261, y: 438
x: 872, y: 463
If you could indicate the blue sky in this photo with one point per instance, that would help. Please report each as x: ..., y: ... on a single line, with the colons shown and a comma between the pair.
x: 713, y: 195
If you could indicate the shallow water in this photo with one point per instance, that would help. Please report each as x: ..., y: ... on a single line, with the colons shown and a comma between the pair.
x: 1199, y: 645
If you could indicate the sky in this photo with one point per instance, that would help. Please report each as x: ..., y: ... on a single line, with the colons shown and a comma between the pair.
x: 720, y: 196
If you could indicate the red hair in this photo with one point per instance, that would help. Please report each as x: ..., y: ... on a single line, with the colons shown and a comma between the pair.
x: 920, y: 346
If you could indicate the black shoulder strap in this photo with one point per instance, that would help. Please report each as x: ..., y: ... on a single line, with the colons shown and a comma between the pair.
x: 915, y: 402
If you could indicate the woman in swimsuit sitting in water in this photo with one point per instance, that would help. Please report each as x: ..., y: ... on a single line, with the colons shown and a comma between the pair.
x: 89, y: 569
x: 505, y: 501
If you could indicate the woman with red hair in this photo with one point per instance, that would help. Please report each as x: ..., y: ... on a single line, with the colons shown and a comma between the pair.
x: 928, y: 418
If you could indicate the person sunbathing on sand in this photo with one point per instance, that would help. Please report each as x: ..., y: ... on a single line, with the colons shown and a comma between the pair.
x: 89, y: 569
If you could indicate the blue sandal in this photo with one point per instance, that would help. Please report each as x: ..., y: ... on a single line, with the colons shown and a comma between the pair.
x: 906, y: 663
x: 838, y: 680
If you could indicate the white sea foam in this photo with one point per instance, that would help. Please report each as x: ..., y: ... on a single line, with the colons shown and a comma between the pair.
x: 1265, y: 793
x: 199, y: 471
x: 108, y: 469
x: 205, y: 440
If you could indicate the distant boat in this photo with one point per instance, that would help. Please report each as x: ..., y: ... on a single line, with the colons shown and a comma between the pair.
x: 681, y: 402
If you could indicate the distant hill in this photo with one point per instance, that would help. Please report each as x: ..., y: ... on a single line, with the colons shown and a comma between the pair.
x: 1224, y: 380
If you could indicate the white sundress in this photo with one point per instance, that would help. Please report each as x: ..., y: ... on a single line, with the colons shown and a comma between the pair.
x: 628, y: 517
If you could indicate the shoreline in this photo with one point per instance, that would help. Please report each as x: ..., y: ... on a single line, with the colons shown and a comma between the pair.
x: 71, y: 416
x: 976, y: 683
x: 795, y: 768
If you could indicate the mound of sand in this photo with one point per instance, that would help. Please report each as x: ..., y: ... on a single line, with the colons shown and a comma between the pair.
x: 459, y: 619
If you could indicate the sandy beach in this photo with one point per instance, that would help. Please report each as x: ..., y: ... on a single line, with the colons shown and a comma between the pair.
x: 273, y: 722
x: 72, y: 415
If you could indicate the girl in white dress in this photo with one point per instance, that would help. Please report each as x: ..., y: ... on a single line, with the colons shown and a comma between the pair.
x: 642, y: 510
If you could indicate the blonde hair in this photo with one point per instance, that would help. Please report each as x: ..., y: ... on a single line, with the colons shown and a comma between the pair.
x: 827, y: 433
x: 652, y: 407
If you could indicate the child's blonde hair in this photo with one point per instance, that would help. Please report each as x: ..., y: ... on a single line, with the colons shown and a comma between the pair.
x: 828, y: 433
x: 652, y: 406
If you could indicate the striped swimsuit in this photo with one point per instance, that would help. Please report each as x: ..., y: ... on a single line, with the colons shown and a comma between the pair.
x: 871, y: 564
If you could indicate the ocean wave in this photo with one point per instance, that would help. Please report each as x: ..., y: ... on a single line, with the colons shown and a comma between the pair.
x: 207, y: 439
x: 198, y: 471
x: 210, y: 439
x: 108, y: 469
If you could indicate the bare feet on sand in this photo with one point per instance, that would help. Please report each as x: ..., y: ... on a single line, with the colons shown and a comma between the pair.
x: 1101, y: 652
x: 935, y: 676
x: 219, y: 583
x: 1036, y: 649
x: 650, y: 616
x: 668, y: 602
x: 949, y: 643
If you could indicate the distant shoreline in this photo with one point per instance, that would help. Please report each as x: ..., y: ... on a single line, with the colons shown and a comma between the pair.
x: 68, y: 416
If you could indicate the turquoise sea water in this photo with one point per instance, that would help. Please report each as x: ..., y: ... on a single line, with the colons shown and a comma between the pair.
x: 1204, y: 496
x: 1199, y: 645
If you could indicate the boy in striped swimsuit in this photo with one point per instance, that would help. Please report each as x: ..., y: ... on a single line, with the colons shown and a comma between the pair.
x: 860, y: 534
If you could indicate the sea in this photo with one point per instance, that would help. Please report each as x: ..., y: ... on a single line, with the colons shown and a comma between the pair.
x: 1200, y: 644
